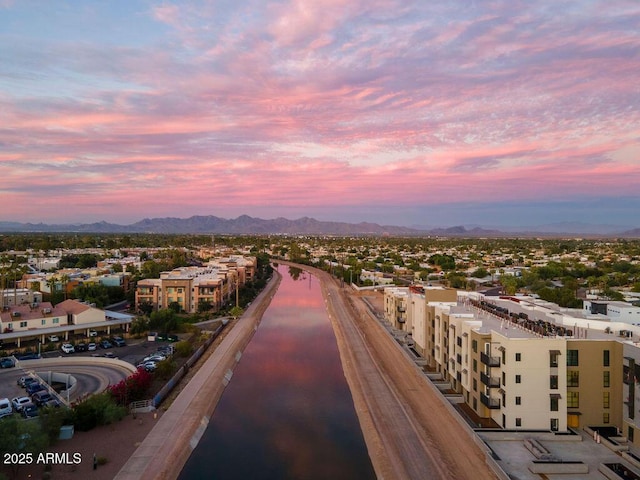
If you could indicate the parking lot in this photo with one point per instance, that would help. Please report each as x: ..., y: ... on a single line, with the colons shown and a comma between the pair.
x: 133, y: 352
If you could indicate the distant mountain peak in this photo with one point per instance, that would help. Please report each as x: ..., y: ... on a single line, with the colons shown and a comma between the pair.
x: 245, y: 224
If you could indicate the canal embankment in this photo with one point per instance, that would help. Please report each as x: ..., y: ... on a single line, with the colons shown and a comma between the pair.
x: 166, y: 449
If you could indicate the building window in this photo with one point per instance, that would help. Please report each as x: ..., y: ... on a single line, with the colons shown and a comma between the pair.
x: 518, y: 357
x: 572, y: 358
x: 475, y: 385
x: 553, y: 404
x: 605, y: 418
x: 630, y: 434
x: 43, y: 321
x: 475, y: 404
x: 504, y: 379
x: 518, y: 422
x: 606, y: 379
x: 605, y: 358
x: 573, y: 400
x: 553, y: 382
x: 554, y: 424
x: 518, y: 400
x: 518, y: 378
x: 475, y: 365
x: 553, y: 358
x: 573, y: 378
x: 23, y: 324
x: 605, y: 400
x: 56, y: 320
x: 474, y: 346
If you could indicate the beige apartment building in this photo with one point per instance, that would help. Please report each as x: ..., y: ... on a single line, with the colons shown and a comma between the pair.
x: 516, y: 375
x: 189, y: 287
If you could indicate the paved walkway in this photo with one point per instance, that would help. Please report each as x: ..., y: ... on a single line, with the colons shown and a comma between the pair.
x: 166, y: 449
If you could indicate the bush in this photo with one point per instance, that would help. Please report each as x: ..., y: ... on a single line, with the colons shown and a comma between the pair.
x: 132, y: 389
x: 100, y: 409
x: 183, y: 348
x: 165, y: 369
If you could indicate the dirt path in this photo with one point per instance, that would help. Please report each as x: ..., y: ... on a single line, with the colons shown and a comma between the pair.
x: 410, y: 432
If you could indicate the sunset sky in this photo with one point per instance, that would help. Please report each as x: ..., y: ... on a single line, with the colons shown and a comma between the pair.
x: 432, y: 113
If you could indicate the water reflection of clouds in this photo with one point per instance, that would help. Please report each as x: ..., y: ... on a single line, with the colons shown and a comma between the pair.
x: 287, y: 412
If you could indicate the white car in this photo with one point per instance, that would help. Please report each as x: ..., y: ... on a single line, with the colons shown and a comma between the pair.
x: 67, y: 348
x: 54, y: 338
x: 93, y: 333
x: 154, y: 358
x: 148, y: 366
x: 19, y: 402
x: 91, y: 347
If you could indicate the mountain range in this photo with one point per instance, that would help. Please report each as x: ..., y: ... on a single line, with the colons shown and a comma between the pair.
x: 246, y: 225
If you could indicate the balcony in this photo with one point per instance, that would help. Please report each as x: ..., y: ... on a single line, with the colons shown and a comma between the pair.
x: 491, y: 382
x: 489, y: 361
x: 402, y: 309
x: 491, y: 403
x: 400, y: 320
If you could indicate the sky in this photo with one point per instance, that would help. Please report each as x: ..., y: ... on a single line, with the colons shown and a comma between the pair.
x: 415, y: 113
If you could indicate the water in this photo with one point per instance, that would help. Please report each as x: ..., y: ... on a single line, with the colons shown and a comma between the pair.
x: 288, y: 412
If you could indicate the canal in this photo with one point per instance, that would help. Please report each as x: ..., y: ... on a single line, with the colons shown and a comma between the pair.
x: 288, y: 412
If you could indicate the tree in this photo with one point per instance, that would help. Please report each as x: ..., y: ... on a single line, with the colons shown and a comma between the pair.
x: 139, y: 326
x: 446, y: 262
x: 20, y: 436
x: 164, y: 320
x: 204, y: 306
x: 236, y: 312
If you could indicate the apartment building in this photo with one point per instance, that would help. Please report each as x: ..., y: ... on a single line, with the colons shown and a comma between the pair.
x: 522, y: 373
x: 38, y: 321
x: 191, y: 287
x: 19, y: 296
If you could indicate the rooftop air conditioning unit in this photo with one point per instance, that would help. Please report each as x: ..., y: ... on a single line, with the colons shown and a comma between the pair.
x: 46, y: 310
x: 16, y: 314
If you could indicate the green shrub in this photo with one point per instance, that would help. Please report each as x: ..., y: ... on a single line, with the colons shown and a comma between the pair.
x: 183, y: 348
x: 100, y: 409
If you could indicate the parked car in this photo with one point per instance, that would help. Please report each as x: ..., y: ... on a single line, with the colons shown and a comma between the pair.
x: 106, y: 344
x: 53, y: 403
x: 19, y: 402
x: 166, y: 350
x: 147, y: 366
x: 93, y: 333
x: 41, y: 397
x: 91, y: 346
x: 34, y: 387
x: 25, y: 381
x: 118, y: 341
x: 5, y: 407
x: 28, y: 356
x: 7, y: 362
x: 154, y: 358
x: 81, y: 347
x: 29, y: 410
x: 110, y: 355
x: 68, y: 348
x: 54, y: 338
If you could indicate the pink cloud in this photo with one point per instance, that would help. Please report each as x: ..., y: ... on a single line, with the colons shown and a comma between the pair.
x: 331, y: 103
